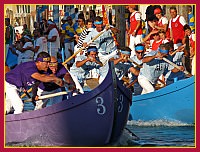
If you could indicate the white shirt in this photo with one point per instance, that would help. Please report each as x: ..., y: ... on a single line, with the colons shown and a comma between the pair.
x: 55, y: 44
x: 163, y: 20
x: 28, y: 53
x: 42, y: 43
x: 137, y: 15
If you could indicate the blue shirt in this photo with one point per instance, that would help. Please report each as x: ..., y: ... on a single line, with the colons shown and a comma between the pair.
x: 69, y: 32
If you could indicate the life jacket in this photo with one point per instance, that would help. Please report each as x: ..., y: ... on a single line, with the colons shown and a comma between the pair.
x: 177, y: 31
x: 133, y: 24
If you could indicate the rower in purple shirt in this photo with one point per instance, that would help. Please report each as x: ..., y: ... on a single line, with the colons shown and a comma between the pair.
x: 59, y: 71
x: 25, y: 75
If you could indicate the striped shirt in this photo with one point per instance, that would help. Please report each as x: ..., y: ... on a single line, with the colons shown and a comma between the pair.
x: 82, y: 37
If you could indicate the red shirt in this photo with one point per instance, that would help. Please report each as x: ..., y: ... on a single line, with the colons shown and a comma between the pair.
x: 177, y: 31
x: 156, y: 44
x: 133, y: 24
x: 168, y: 30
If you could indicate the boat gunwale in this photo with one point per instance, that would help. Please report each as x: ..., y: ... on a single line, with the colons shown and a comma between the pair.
x: 162, y: 92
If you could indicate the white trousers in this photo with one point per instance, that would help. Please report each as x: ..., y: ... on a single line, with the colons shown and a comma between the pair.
x: 67, y: 53
x: 145, y: 84
x: 13, y: 99
x: 134, y: 40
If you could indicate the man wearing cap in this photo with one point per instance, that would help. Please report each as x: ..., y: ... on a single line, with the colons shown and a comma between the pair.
x: 25, y: 75
x: 58, y: 70
x: 154, y: 67
x: 84, y: 65
x: 9, y: 35
x: 162, y: 23
x: 135, y: 31
x: 176, y: 24
x: 26, y: 50
x: 53, y: 39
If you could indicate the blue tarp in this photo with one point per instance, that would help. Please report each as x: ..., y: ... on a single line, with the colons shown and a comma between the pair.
x: 11, y: 59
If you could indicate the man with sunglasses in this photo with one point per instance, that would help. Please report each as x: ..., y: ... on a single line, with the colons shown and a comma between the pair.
x: 24, y: 76
x: 58, y: 70
x: 137, y: 64
x: 154, y: 67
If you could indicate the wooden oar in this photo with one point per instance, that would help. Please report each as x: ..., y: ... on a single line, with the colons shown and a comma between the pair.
x: 23, y: 95
x: 176, y: 66
x: 132, y: 83
x: 49, y: 96
x: 139, y: 66
x: 71, y: 57
x: 180, y: 48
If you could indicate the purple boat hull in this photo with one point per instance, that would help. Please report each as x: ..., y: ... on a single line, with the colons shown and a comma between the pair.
x: 96, y: 118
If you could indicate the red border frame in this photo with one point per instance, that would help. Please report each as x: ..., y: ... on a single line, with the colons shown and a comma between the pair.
x: 120, y: 149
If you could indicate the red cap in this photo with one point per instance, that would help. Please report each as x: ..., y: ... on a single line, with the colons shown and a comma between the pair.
x: 157, y: 11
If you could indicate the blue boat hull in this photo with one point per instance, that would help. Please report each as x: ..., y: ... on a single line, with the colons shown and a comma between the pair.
x: 174, y: 102
x: 95, y: 118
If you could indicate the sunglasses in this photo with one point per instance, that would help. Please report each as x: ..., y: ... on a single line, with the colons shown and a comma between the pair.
x: 140, y: 52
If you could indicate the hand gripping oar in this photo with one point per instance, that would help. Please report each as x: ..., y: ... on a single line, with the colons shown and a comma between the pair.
x: 176, y: 66
x: 71, y: 57
x: 28, y: 95
x: 49, y: 96
x: 139, y: 66
x: 23, y: 95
